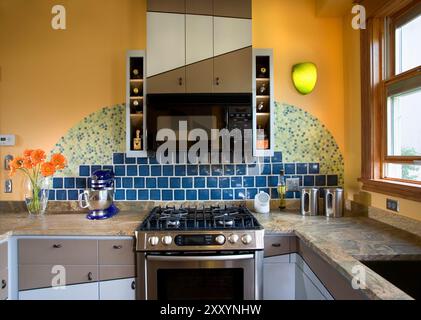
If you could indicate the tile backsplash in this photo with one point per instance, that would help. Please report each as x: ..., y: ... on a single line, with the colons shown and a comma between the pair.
x: 145, y: 179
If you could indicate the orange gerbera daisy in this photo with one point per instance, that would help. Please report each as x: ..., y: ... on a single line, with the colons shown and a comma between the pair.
x: 59, y: 161
x: 15, y: 164
x: 48, y: 169
x: 27, y: 163
x: 27, y: 153
x: 38, y: 156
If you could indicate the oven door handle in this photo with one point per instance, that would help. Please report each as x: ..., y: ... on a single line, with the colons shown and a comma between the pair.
x: 201, y: 258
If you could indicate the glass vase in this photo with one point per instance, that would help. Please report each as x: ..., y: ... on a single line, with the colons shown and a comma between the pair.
x: 36, y: 192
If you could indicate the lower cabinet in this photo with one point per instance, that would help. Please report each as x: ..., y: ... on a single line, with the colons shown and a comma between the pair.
x: 88, y: 291
x: 124, y: 289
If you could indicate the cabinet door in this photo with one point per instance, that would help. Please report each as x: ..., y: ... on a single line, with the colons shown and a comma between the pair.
x: 3, y: 255
x: 201, y: 7
x: 279, y: 279
x: 233, y: 8
x: 199, y: 38
x: 76, y: 292
x: 4, y: 284
x: 168, y: 82
x: 165, y: 43
x: 124, y: 289
x: 231, y: 34
x: 199, y: 77
x: 233, y: 72
x: 305, y: 288
x: 175, y: 6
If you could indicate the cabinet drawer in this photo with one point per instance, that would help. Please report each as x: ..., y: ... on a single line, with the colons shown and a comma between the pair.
x: 116, y: 272
x: 116, y: 252
x: 277, y: 245
x: 4, y: 284
x: 57, y: 251
x: 3, y: 255
x: 41, y: 276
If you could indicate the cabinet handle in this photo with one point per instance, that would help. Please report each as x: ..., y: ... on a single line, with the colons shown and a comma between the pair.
x: 117, y: 247
x: 180, y: 81
x: 133, y: 285
x: 276, y: 245
x: 3, y: 284
x: 57, y: 246
x: 218, y: 81
x: 90, y: 276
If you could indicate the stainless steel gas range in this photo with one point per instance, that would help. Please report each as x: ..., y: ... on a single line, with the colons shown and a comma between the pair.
x: 209, y: 253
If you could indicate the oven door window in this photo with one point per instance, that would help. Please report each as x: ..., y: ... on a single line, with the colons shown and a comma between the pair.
x: 200, y: 284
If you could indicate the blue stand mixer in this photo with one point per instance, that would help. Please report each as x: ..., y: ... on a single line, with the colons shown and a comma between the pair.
x: 100, y: 197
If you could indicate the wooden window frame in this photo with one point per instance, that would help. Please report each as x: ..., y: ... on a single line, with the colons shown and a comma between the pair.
x: 377, y: 75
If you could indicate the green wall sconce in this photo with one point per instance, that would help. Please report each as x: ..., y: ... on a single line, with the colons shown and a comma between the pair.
x: 304, y: 77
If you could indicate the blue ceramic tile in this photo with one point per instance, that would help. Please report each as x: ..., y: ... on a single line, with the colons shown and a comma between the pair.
x: 139, y: 183
x: 72, y: 195
x: 192, y: 170
x: 224, y: 182
x: 118, y: 158
x: 175, y: 183
x: 302, y: 168
x: 57, y: 183
x: 51, y: 195
x: 261, y: 182
x: 132, y: 171
x: 204, y: 170
x: 332, y: 180
x: 309, y: 181
x: 191, y: 195
x: 95, y: 169
x: 229, y: 170
x: 314, y: 168
x: 167, y: 195
x: 212, y: 182
x: 187, y: 183
x: 274, y: 193
x: 143, y: 194
x: 236, y: 182
x: 80, y: 183
x: 180, y: 171
x: 240, y: 194
x: 290, y: 195
x: 273, y: 181
x: 120, y: 195
x: 168, y: 171
x: 240, y: 169
x: 111, y: 168
x: 142, y: 160
x: 144, y: 171
x: 265, y: 190
x: 297, y: 195
x: 131, y: 195
x: 84, y: 171
x: 127, y: 183
x: 150, y: 183
x: 290, y: 168
x: 61, y: 195
x: 120, y: 171
x: 204, y: 194
x: 320, y: 181
x: 217, y: 170
x: 156, y: 171
x: 266, y: 159
x: 155, y: 195
x: 277, y: 157
x: 248, y: 182
x: 251, y: 193
x: 162, y: 183
x: 129, y: 160
x: 152, y: 160
x: 266, y: 169
x: 216, y: 194
x: 179, y: 195
x: 199, y: 182
x: 118, y: 183
x: 228, y: 194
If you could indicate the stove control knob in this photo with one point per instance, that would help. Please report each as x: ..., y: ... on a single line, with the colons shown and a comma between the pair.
x: 233, y: 238
x: 167, y: 240
x: 153, y: 241
x: 220, y: 239
x: 246, y: 239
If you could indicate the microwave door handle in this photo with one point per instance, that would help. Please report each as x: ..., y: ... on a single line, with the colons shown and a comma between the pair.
x: 201, y: 258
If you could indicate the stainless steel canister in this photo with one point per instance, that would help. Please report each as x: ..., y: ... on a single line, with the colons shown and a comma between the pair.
x: 334, y: 202
x: 310, y: 201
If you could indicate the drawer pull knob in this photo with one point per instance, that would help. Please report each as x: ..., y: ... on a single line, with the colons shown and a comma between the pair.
x: 133, y: 285
x: 180, y: 81
x: 276, y: 245
x: 57, y: 246
x: 90, y: 276
x: 118, y: 247
x: 3, y: 284
x: 218, y: 81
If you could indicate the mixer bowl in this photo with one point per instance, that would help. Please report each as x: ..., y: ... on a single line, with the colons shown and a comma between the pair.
x: 96, y: 200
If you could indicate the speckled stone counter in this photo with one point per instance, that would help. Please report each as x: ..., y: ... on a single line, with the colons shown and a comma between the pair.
x: 340, y: 242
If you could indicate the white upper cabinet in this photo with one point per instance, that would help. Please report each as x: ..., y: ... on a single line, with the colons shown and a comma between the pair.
x: 231, y: 34
x: 199, y: 38
x: 166, y: 42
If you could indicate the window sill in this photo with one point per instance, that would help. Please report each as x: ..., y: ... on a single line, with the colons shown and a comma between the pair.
x: 402, y: 190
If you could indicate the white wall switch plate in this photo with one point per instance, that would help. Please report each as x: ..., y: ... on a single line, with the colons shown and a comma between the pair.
x: 293, y: 184
x: 7, y: 140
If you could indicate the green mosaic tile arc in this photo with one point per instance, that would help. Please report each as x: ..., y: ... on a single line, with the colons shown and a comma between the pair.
x: 303, y: 138
x: 94, y: 139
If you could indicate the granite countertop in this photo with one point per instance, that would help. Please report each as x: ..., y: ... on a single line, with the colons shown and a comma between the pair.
x: 340, y: 242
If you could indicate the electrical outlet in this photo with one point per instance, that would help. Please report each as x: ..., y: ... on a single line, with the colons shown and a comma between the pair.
x: 8, y: 186
x: 293, y: 184
x: 392, y: 205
